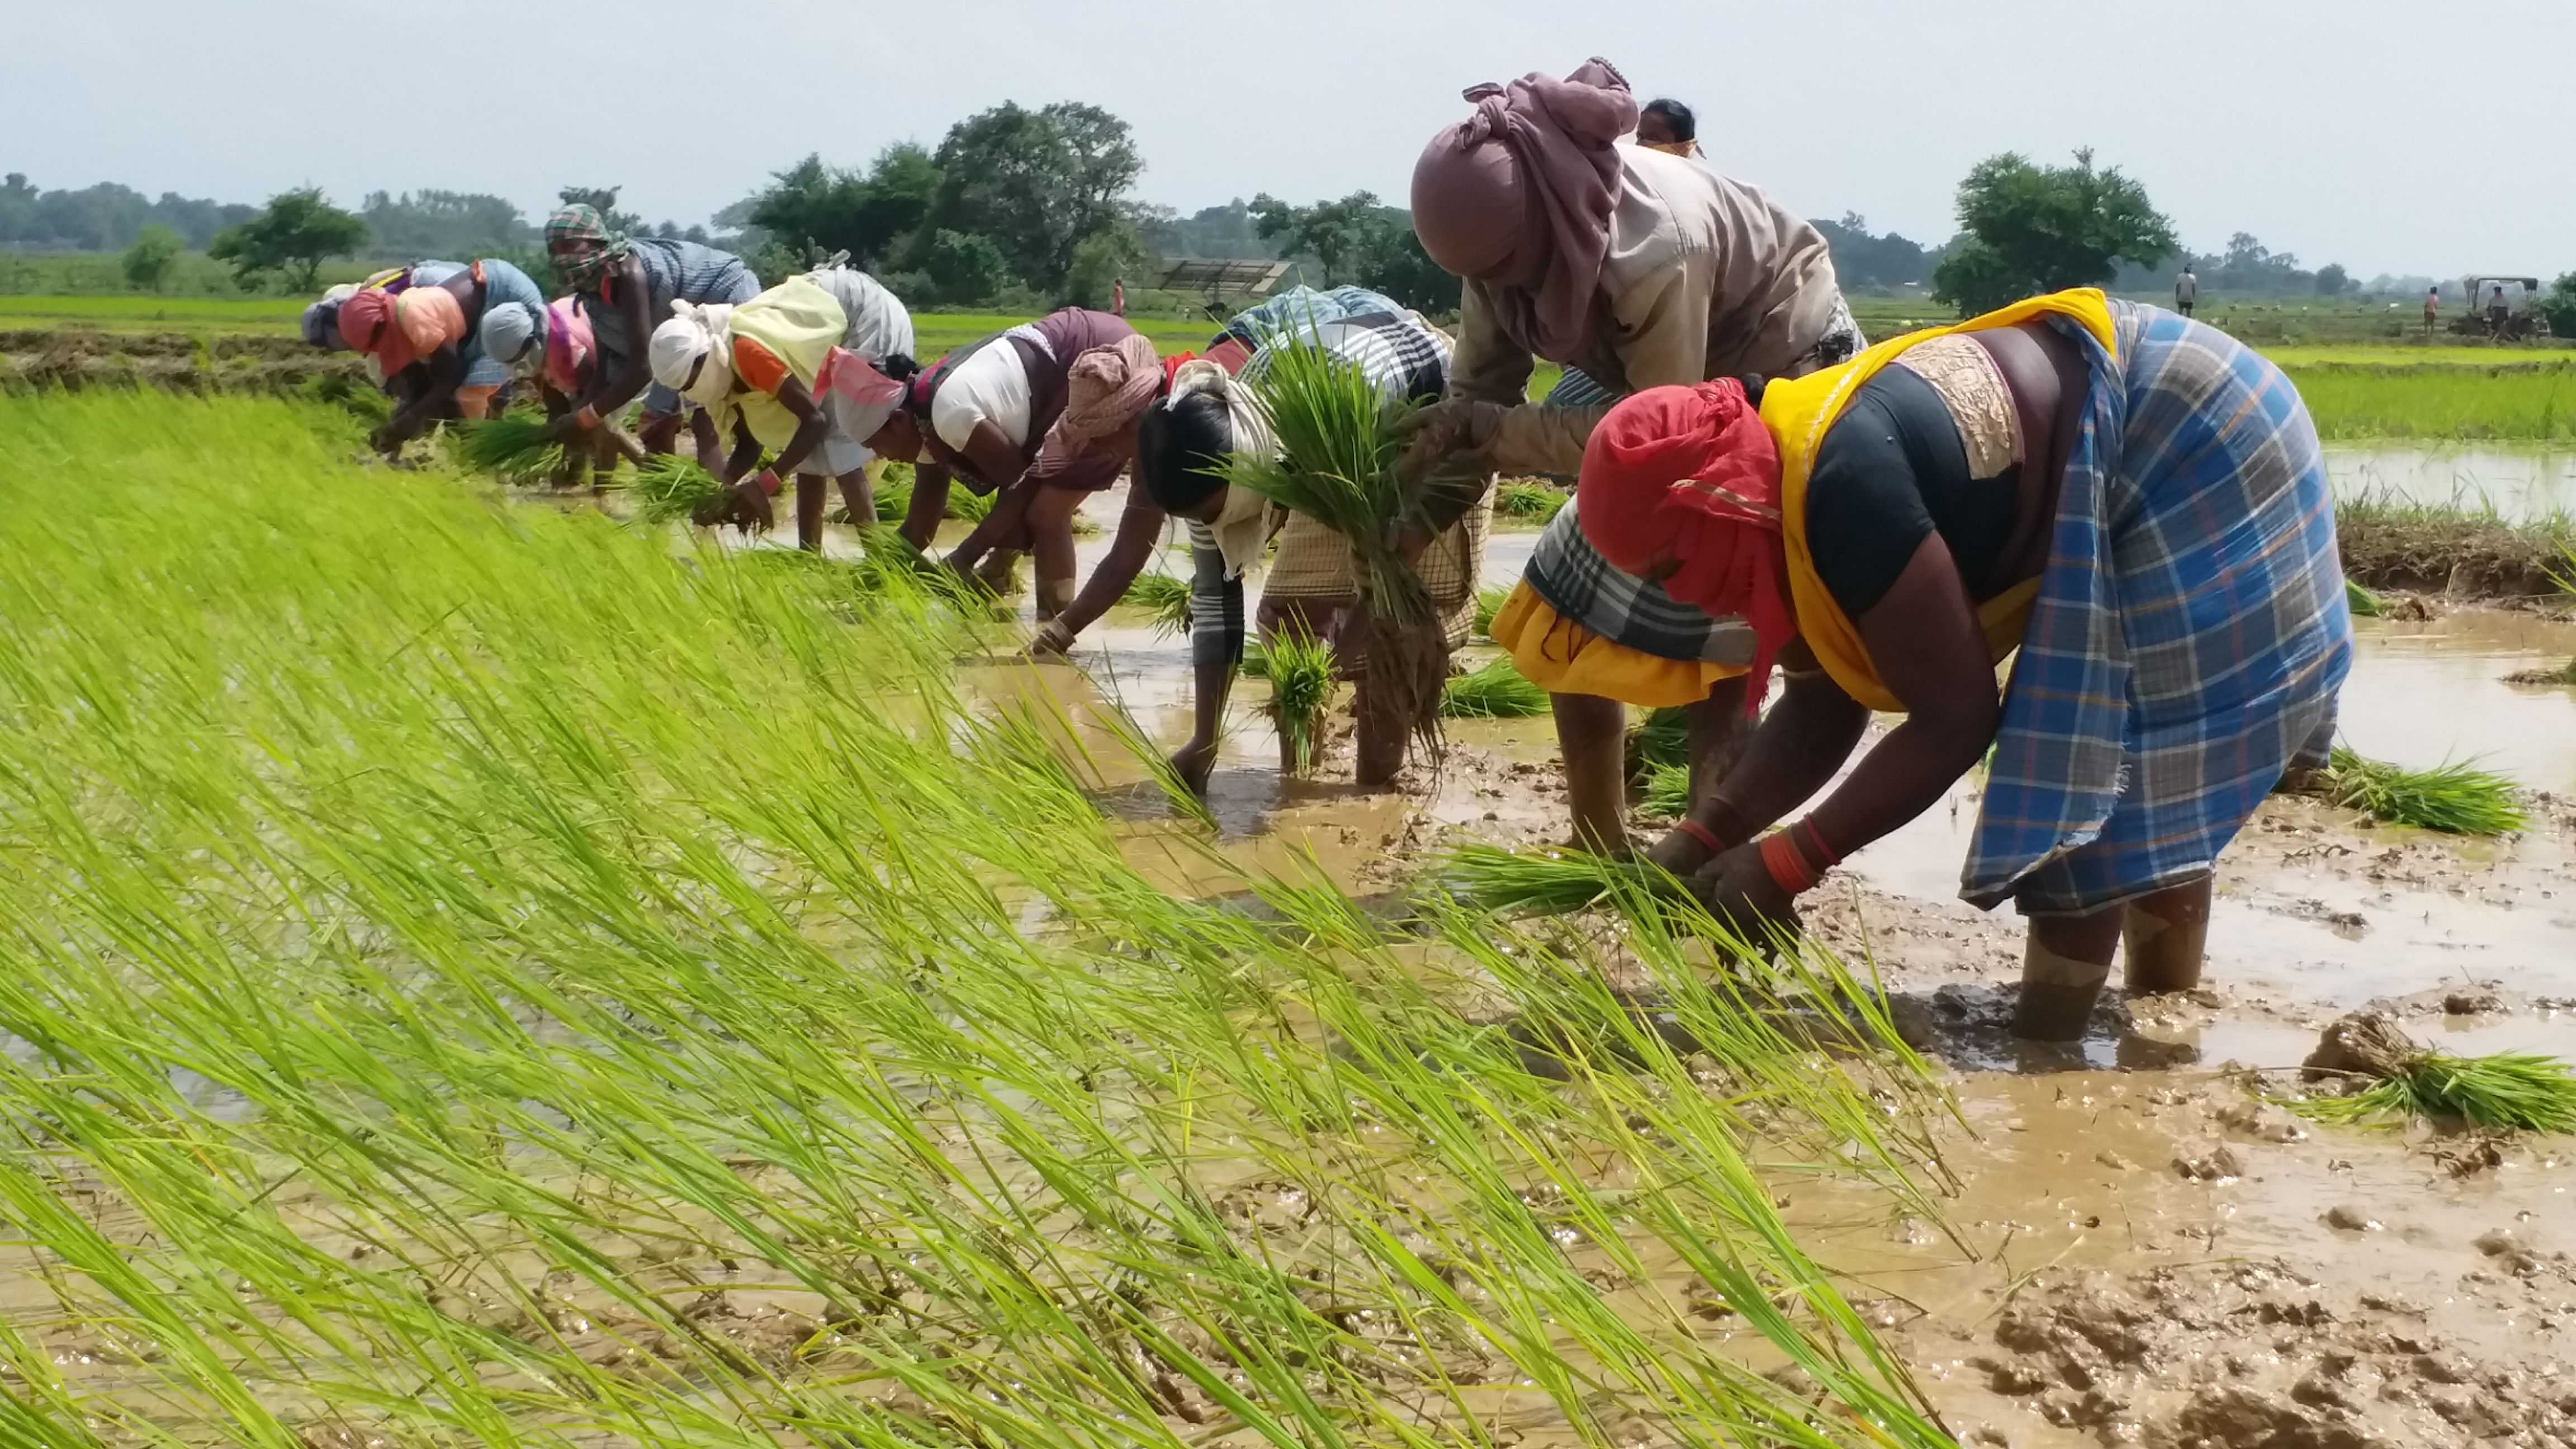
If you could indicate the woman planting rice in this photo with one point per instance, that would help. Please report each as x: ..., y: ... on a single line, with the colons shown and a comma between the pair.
x: 1183, y: 444
x: 432, y: 326
x: 552, y: 346
x: 2131, y: 499
x: 988, y: 414
x: 626, y: 286
x: 1635, y: 269
x: 794, y: 371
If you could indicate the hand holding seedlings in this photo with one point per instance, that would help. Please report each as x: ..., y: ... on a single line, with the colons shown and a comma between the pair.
x: 1738, y: 888
x: 1446, y: 438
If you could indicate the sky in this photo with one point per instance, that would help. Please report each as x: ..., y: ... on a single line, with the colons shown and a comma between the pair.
x: 2387, y: 135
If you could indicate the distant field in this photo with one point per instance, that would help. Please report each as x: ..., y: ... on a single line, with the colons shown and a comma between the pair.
x: 154, y: 314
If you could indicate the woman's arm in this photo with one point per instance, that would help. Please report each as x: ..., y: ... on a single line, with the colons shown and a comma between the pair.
x: 634, y: 307
x: 1000, y: 463
x: 1138, y: 527
x: 810, y: 426
x: 929, y: 504
x: 444, y: 372
x: 746, y: 452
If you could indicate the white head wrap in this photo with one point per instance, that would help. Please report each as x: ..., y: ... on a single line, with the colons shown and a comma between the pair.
x: 508, y: 330
x: 695, y: 331
x: 1242, y: 527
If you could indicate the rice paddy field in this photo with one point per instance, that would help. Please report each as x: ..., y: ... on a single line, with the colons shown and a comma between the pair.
x: 490, y: 974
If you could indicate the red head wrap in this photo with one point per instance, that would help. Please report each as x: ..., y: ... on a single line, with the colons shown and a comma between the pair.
x: 1690, y: 473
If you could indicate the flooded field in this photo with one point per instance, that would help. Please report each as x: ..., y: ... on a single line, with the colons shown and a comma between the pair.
x: 2520, y: 485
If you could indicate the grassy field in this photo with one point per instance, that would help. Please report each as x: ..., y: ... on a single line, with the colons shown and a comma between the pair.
x: 2444, y: 402
x: 486, y: 974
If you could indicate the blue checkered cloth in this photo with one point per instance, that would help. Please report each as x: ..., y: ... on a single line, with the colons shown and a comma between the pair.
x: 2190, y: 632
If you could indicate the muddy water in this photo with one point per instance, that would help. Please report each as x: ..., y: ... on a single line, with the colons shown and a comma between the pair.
x: 2521, y: 484
x: 2140, y: 1250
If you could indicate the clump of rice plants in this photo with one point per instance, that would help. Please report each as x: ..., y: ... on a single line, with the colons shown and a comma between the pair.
x: 1300, y: 670
x: 2407, y: 1081
x: 364, y: 400
x: 1336, y: 465
x: 1664, y: 739
x: 516, y: 447
x: 1489, y: 602
x: 1256, y: 660
x: 2362, y: 602
x: 672, y: 488
x: 1496, y: 691
x: 1554, y: 883
x: 1527, y: 501
x: 1164, y: 596
x: 966, y: 504
x: 1668, y: 792
x: 2559, y: 674
x: 2458, y: 799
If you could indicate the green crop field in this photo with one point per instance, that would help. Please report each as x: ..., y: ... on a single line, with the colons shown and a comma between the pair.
x: 489, y: 974
x: 2524, y: 404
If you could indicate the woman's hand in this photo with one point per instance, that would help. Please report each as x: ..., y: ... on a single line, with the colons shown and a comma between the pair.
x: 1737, y: 888
x: 1447, y: 437
x: 1194, y: 762
x: 1680, y: 852
x: 745, y: 506
x: 1053, y: 640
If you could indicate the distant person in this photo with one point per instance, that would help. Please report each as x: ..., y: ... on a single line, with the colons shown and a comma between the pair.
x: 2432, y: 310
x: 1118, y: 296
x: 2186, y: 291
x: 626, y: 285
x: 2498, y: 312
x: 1668, y: 126
x: 435, y: 327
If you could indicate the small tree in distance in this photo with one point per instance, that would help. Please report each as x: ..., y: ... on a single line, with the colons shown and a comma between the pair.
x: 154, y: 255
x: 292, y: 239
x: 2031, y: 229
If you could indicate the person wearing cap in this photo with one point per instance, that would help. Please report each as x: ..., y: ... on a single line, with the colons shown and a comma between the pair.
x: 626, y: 285
x: 431, y: 327
x: 799, y: 373
x: 1634, y: 269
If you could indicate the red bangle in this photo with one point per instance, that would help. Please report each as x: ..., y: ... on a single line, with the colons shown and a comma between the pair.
x: 588, y: 418
x: 768, y: 481
x: 1824, y: 856
x: 1788, y: 870
x: 1701, y: 833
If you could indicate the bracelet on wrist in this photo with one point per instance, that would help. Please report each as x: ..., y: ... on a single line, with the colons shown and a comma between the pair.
x: 1702, y: 834
x: 1789, y: 870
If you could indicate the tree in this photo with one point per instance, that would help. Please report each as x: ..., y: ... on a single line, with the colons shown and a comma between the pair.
x: 149, y: 262
x: 2032, y: 229
x: 1108, y: 256
x: 2332, y: 280
x: 457, y: 224
x: 963, y: 267
x: 292, y: 238
x: 605, y: 198
x: 819, y: 209
x: 1360, y: 239
x: 1863, y: 261
x: 1035, y: 182
x: 2559, y: 306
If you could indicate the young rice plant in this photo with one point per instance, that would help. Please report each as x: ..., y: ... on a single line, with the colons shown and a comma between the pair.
x: 2459, y: 799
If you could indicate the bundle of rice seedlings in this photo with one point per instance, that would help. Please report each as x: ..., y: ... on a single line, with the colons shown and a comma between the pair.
x: 1336, y: 465
x: 1553, y: 883
x: 514, y: 446
x: 1496, y: 691
x: 2407, y: 1081
x: 893, y: 494
x: 1489, y: 602
x: 1668, y: 792
x: 1664, y: 739
x: 366, y: 401
x: 1166, y: 597
x: 1531, y: 502
x: 2459, y: 799
x: 1300, y: 670
x: 1256, y: 660
x: 672, y: 487
x: 2362, y: 602
x: 967, y: 505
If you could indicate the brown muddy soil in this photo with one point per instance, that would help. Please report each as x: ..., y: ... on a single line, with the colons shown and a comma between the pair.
x: 2458, y: 556
x: 77, y: 357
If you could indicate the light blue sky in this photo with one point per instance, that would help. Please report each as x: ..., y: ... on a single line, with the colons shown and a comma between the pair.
x: 2397, y: 137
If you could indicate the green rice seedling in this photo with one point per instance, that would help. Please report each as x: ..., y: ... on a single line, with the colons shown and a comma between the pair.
x: 1555, y: 883
x: 892, y: 493
x: 1336, y: 465
x: 1256, y: 660
x: 515, y: 446
x: 477, y: 978
x: 2505, y: 1090
x: 1164, y: 596
x: 1300, y: 670
x: 1664, y: 739
x: 1497, y: 690
x: 2458, y: 799
x: 1489, y: 602
x: 355, y: 396
x: 967, y: 505
x: 1519, y: 498
x: 1668, y: 792
x: 672, y: 489
x: 2362, y: 602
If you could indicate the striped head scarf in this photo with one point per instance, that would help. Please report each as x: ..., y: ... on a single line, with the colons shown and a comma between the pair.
x: 1106, y: 390
x: 581, y: 243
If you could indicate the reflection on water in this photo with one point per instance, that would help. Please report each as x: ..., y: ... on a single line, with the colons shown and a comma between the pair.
x: 2517, y: 484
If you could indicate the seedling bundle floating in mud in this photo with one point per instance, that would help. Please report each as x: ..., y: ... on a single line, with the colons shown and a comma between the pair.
x: 1165, y: 597
x: 2393, y: 1079
x: 2458, y: 799
x: 1498, y: 690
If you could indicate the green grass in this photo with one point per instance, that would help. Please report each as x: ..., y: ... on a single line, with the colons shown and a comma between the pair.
x: 2526, y: 402
x: 2362, y: 602
x: 2514, y: 1090
x: 479, y: 978
x: 1165, y: 596
x: 1497, y: 690
x: 935, y: 334
x: 1528, y: 502
x: 1489, y: 602
x: 2457, y: 799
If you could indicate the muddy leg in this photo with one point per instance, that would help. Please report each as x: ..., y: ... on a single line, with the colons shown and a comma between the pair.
x: 2166, y: 937
x: 1592, y: 739
x: 1719, y: 731
x: 2064, y: 963
x: 1051, y: 541
x: 809, y: 512
x: 1388, y: 711
x: 659, y: 432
